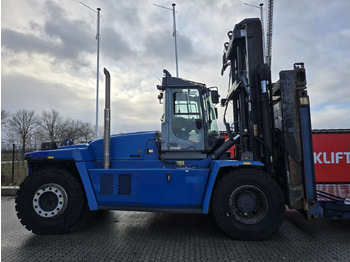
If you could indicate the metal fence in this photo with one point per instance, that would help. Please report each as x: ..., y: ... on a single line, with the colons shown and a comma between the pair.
x: 13, y: 166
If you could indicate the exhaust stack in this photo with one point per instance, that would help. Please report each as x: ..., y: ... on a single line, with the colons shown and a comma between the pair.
x: 107, y: 122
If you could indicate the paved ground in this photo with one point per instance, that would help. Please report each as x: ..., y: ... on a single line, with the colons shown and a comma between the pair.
x: 136, y: 236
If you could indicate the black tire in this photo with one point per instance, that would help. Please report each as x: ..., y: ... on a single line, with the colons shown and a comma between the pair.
x: 248, y: 205
x: 50, y: 201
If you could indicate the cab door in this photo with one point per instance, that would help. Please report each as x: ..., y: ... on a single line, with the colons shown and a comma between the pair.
x: 182, y: 127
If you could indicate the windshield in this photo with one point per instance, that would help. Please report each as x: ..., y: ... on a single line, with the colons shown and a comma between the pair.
x: 211, y: 124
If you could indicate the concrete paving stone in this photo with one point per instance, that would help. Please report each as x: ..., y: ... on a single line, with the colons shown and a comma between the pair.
x: 143, y: 236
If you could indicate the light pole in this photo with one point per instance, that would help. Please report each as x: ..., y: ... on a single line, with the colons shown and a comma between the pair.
x: 98, y: 62
x: 174, y: 35
x: 98, y: 68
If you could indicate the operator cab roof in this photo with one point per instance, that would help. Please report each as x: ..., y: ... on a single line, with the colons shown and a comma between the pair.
x: 174, y: 82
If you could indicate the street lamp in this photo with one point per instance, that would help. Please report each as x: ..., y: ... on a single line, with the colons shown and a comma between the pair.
x: 98, y: 62
x: 174, y: 34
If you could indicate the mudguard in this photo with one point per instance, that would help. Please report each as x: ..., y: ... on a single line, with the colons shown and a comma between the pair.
x: 214, y: 171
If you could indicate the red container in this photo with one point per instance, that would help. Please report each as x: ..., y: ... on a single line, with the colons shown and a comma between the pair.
x: 332, y: 155
x: 232, y: 151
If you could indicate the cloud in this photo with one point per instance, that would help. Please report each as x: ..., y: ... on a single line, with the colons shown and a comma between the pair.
x: 157, y: 46
x: 114, y: 46
x: 331, y: 117
x: 32, y: 94
x: 72, y: 37
x: 64, y: 40
x: 49, y: 51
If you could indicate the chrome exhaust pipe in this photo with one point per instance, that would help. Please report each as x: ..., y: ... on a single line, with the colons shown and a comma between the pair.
x: 107, y: 122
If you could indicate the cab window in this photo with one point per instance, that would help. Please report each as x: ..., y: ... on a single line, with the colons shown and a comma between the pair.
x: 187, y: 115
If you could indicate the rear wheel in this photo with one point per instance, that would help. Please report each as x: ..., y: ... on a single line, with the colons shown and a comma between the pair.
x: 50, y: 201
x: 248, y: 204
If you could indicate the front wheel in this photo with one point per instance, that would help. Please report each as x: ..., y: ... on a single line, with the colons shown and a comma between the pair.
x: 248, y: 204
x: 50, y: 201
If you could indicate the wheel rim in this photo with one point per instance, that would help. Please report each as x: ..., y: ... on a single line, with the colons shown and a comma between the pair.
x: 248, y: 204
x: 50, y: 200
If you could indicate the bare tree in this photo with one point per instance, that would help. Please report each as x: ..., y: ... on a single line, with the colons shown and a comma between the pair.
x: 11, y: 138
x: 22, y: 123
x: 4, y: 116
x: 101, y: 131
x: 37, y: 137
x: 78, y: 131
x: 4, y: 120
x: 69, y: 131
x: 29, y: 130
x: 87, y: 132
x: 52, y: 123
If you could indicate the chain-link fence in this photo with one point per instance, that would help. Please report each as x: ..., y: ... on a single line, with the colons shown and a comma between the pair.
x: 13, y: 166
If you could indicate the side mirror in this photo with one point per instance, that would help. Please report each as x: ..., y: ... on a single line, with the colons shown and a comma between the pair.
x: 215, y: 96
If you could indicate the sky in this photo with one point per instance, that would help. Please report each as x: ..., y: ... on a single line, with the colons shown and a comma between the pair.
x: 48, y: 54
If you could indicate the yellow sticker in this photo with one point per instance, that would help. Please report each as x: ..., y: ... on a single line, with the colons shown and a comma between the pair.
x: 180, y: 163
x: 304, y: 101
x: 256, y: 130
x: 246, y: 163
x: 50, y: 157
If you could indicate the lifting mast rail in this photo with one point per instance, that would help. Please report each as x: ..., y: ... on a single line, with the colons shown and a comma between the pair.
x: 273, y: 121
x: 269, y: 32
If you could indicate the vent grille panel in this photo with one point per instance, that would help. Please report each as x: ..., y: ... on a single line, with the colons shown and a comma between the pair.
x: 106, y: 184
x: 124, y: 184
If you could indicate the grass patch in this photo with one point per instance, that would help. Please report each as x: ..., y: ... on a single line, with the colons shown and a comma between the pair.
x: 20, y: 172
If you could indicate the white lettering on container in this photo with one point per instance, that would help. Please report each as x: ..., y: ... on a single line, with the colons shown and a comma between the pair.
x: 331, y: 157
x: 317, y: 159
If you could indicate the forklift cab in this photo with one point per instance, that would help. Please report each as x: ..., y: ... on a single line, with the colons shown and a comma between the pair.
x: 189, y: 121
